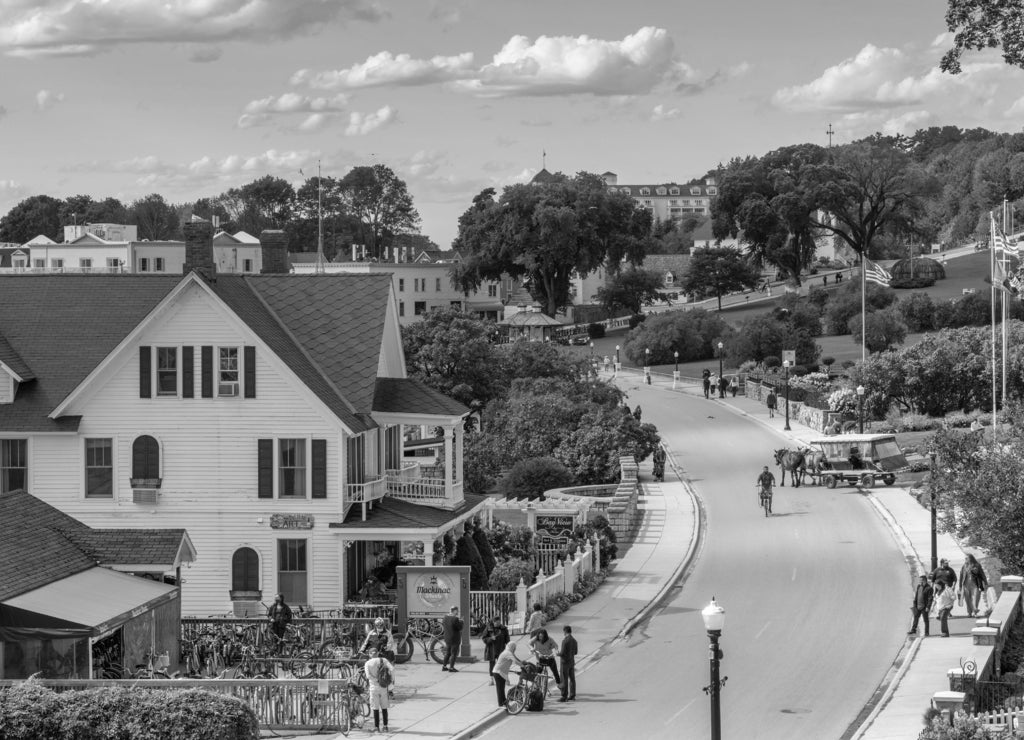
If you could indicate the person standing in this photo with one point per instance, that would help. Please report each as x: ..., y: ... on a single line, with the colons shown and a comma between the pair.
x: 451, y: 629
x: 495, y: 637
x: 973, y: 583
x: 944, y: 605
x: 734, y: 386
x: 380, y: 675
x: 280, y: 616
x: 772, y: 402
x: 380, y: 637
x: 545, y: 648
x: 921, y: 604
x: 723, y: 386
x: 501, y: 668
x: 713, y: 384
x: 705, y: 375
x: 567, y: 659
x: 945, y: 575
x: 536, y: 620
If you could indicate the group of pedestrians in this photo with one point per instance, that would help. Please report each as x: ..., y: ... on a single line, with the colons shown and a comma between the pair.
x: 500, y: 652
x: 940, y: 590
x: 721, y: 385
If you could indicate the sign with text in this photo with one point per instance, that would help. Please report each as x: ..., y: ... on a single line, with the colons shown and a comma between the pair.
x: 789, y: 355
x: 555, y: 525
x: 430, y: 591
x: 291, y: 521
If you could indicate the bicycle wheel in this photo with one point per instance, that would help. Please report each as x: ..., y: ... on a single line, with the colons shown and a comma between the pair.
x: 404, y: 649
x: 436, y: 649
x: 344, y: 719
x: 306, y: 665
x: 515, y: 699
x: 767, y: 505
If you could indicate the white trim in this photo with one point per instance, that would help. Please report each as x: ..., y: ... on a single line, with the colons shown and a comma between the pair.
x: 260, y: 565
x: 160, y: 450
x: 7, y: 369
x: 83, y: 480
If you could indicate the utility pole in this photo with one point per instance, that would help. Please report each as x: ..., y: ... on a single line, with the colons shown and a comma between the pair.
x: 320, y: 269
x: 829, y: 133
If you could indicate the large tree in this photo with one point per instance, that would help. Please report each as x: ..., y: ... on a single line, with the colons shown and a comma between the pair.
x: 83, y: 209
x: 984, y: 24
x: 316, y: 198
x: 631, y: 289
x: 264, y: 203
x: 38, y: 214
x: 715, y: 271
x: 156, y: 219
x: 544, y: 233
x: 382, y: 203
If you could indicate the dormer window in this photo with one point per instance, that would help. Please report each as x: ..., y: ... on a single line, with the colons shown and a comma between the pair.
x: 712, y: 191
x: 627, y: 191
x: 673, y: 191
x: 645, y: 191
x: 670, y: 279
x: 694, y: 191
x: 662, y: 191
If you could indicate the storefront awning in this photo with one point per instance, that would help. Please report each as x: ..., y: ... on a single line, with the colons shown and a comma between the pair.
x: 94, y: 600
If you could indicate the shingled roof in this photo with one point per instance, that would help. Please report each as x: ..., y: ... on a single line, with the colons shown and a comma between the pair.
x: 40, y: 544
x: 329, y: 329
x: 392, y: 513
x: 405, y: 395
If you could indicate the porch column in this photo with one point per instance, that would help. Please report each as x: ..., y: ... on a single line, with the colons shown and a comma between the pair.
x: 449, y: 468
x: 342, y: 548
x: 457, y: 463
x: 428, y: 552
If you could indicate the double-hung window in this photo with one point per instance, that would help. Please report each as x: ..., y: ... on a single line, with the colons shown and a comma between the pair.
x: 99, y: 468
x: 227, y: 371
x: 13, y: 464
x: 291, y: 468
x: 167, y: 371
x: 158, y: 264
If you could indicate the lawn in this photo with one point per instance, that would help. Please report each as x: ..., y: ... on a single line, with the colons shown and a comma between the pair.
x: 962, y: 273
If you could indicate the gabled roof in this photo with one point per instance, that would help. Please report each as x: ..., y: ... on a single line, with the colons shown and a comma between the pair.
x: 405, y: 395
x: 246, y: 238
x: 90, y: 238
x: 40, y: 544
x: 16, y: 365
x: 663, y: 263
x: 41, y: 239
x: 222, y: 237
x: 530, y: 318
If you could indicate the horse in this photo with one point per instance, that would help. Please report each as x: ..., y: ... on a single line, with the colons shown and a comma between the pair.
x: 814, y: 460
x: 793, y: 461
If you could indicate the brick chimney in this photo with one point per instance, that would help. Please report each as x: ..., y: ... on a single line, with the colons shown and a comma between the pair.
x: 199, y: 247
x: 274, y: 246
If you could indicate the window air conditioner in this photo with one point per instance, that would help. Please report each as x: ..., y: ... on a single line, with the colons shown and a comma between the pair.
x: 227, y: 389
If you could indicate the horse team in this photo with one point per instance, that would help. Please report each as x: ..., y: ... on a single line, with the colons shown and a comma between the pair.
x: 798, y: 463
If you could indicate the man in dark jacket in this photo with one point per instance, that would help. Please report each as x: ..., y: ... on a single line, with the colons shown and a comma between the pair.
x: 945, y: 574
x: 921, y: 604
x: 567, y: 659
x: 451, y: 627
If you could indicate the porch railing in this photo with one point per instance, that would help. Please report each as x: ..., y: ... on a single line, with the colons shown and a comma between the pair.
x: 425, y: 491
x: 405, y: 473
x: 371, y: 490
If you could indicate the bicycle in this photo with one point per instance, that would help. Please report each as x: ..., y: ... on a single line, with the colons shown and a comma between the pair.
x: 149, y: 670
x: 764, y: 494
x: 356, y: 707
x: 532, y: 678
x: 427, y: 632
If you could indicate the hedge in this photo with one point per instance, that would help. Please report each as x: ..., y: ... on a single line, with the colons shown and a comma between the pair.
x: 30, y: 710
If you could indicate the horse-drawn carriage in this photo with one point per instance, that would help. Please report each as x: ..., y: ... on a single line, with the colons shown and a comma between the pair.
x: 858, y: 459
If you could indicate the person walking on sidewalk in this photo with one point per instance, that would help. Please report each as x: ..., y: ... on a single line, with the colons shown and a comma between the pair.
x: 713, y: 384
x: 723, y: 386
x: 536, y: 620
x: 921, y: 604
x: 705, y: 375
x: 734, y: 386
x: 945, y: 575
x: 944, y: 605
x: 495, y: 637
x: 772, y: 402
x: 501, y: 668
x: 380, y: 675
x: 451, y: 631
x: 567, y: 657
x: 973, y: 583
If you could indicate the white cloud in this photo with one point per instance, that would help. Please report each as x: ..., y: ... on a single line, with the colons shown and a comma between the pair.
x: 46, y: 99
x: 11, y: 193
x: 1016, y: 110
x: 68, y: 27
x: 549, y: 65
x: 385, y: 68
x: 262, y: 111
x: 360, y: 124
x: 663, y: 113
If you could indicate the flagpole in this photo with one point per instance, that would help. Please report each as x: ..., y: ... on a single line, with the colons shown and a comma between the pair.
x: 992, y: 268
x: 863, y: 308
x: 1003, y: 300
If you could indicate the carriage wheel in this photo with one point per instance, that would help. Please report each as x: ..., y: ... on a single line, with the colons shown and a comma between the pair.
x: 889, y: 479
x: 830, y: 481
x: 867, y: 480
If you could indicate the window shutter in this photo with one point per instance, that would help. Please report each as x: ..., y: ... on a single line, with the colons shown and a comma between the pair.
x: 206, y: 368
x: 145, y: 372
x: 319, y: 468
x: 266, y: 468
x: 250, y: 372
x: 188, y: 382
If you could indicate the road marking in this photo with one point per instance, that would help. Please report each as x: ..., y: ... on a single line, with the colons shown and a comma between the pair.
x: 672, y: 719
x: 758, y: 635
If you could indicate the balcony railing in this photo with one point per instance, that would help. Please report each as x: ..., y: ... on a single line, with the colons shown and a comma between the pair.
x: 407, y: 472
x: 99, y: 270
x: 368, y: 492
x: 429, y: 491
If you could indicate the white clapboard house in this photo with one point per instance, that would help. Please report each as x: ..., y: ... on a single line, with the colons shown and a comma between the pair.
x: 268, y: 415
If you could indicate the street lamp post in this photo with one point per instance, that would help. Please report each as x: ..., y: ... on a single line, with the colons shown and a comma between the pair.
x: 785, y: 365
x: 591, y: 351
x: 860, y: 405
x: 618, y: 365
x: 647, y: 366
x: 675, y: 373
x: 721, y: 370
x: 714, y: 621
x: 931, y: 486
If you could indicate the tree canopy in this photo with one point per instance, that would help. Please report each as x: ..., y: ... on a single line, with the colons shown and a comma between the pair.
x: 715, y: 271
x: 984, y: 24
x: 631, y: 289
x: 37, y: 214
x: 380, y: 200
x: 543, y: 233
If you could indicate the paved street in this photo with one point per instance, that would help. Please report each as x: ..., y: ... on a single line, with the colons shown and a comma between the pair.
x: 813, y: 598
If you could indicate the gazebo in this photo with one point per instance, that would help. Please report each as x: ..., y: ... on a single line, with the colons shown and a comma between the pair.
x: 918, y: 267
x: 530, y: 325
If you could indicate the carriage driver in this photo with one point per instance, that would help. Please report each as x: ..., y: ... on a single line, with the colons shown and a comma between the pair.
x: 765, y: 482
x: 856, y: 461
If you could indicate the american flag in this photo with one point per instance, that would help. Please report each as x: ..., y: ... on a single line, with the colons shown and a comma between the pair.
x: 876, y: 273
x: 999, y: 240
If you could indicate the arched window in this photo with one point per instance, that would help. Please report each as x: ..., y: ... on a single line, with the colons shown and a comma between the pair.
x: 245, y: 570
x: 145, y: 458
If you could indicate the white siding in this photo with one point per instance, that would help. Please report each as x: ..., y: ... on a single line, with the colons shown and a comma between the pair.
x: 208, y: 461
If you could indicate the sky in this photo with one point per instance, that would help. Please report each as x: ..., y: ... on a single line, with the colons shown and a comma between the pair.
x: 188, y: 98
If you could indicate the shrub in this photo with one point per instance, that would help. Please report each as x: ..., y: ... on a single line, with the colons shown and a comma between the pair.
x: 918, y: 312
x: 595, y: 331
x: 120, y: 713
x: 483, y: 546
x: 963, y: 728
x: 772, y: 361
x: 466, y: 553
x: 510, y: 543
x: 636, y: 319
x: 507, y: 574
x: 918, y: 281
x: 884, y: 329
x: 533, y: 476
x: 600, y: 527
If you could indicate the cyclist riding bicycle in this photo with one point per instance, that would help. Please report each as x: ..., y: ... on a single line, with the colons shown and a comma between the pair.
x: 765, y: 482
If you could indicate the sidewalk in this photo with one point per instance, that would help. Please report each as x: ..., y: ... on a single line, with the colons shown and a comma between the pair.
x: 431, y: 704
x: 922, y: 669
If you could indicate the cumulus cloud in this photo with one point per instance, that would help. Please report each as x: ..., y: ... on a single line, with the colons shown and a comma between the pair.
x: 64, y: 27
x: 360, y: 124
x: 663, y: 113
x: 548, y: 65
x: 46, y: 99
x: 262, y: 111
